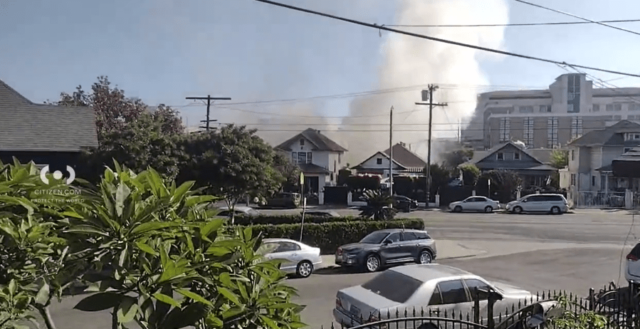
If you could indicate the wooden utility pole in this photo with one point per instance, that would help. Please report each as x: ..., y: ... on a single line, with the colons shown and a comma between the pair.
x: 391, y: 152
x: 209, y: 99
x: 429, y: 95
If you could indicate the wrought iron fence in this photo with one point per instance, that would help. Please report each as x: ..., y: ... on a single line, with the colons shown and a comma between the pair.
x: 619, y: 306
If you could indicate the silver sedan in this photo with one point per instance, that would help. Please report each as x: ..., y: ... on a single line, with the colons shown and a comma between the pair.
x: 299, y: 258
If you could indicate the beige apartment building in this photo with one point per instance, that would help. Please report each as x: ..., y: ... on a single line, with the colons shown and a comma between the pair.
x: 549, y: 118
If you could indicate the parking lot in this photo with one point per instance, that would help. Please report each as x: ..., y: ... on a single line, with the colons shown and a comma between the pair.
x: 537, y: 252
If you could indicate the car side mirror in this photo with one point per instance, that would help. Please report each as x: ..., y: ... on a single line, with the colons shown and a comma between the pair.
x: 524, y: 200
x: 464, y: 201
x: 386, y: 242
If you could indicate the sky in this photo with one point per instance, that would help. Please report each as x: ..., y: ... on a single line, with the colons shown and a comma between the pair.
x: 162, y: 51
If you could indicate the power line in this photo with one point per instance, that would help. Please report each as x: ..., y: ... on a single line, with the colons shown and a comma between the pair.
x: 514, y: 24
x: 208, y: 99
x: 421, y: 36
x: 424, y: 130
x: 576, y: 16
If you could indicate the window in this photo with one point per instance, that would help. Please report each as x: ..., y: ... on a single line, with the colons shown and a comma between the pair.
x: 528, y: 131
x: 571, y: 97
x: 294, y: 157
x: 525, y: 109
x: 374, y: 238
x: 573, y: 155
x: 335, y: 165
x: 409, y: 236
x: 552, y: 132
x: 596, y: 108
x: 609, y: 107
x: 302, y: 157
x: 436, y: 298
x: 617, y: 107
x: 301, y: 142
x: 574, y: 84
x: 309, y: 157
x: 394, y: 237
x: 500, y: 156
x: 569, y: 107
x: 452, y: 292
x: 422, y: 235
x: 339, y: 158
x: 632, y: 117
x: 379, y: 161
x: 472, y: 284
x: 286, y: 247
x: 545, y: 108
x: 516, y: 156
x: 593, y: 180
x: 634, y: 107
x: 573, y: 179
x: 576, y: 127
x: 393, y: 286
x: 504, y: 129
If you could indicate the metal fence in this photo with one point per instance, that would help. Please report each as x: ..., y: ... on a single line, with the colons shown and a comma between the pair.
x: 618, y: 306
x: 591, y: 199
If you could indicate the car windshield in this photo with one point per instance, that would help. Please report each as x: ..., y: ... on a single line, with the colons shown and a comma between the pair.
x: 374, y: 238
x: 393, y: 286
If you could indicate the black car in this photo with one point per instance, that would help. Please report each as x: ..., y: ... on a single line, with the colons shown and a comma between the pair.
x: 404, y: 203
x: 388, y: 247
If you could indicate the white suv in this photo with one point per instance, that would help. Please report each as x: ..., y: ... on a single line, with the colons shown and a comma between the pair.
x: 550, y: 203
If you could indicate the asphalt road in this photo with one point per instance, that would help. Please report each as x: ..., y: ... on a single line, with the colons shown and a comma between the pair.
x: 586, y: 252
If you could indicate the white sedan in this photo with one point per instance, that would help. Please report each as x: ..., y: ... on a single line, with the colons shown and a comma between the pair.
x: 474, y: 203
x: 298, y: 258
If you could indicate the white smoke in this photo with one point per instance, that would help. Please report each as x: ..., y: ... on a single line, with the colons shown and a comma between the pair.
x: 412, y: 61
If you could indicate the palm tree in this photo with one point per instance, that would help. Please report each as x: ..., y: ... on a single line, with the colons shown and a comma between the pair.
x: 378, y: 206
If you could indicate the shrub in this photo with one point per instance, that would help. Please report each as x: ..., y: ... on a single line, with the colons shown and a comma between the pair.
x: 329, y: 236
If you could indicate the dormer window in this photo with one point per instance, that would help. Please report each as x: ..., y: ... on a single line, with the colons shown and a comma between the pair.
x: 516, y: 156
x: 379, y: 161
x: 500, y: 156
x: 632, y: 136
x: 301, y: 142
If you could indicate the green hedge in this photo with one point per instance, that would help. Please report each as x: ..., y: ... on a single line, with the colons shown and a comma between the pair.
x: 329, y: 236
x: 290, y: 219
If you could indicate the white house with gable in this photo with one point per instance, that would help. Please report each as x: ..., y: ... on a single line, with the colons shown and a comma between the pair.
x: 318, y: 157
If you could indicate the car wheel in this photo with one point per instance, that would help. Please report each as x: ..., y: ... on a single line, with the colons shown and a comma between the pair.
x: 457, y: 209
x: 555, y: 211
x: 425, y: 257
x: 304, y: 269
x: 372, y: 264
x: 488, y: 209
x: 517, y: 210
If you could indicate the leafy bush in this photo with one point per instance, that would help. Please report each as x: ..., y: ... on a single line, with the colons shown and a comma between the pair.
x: 378, y: 206
x: 331, y: 235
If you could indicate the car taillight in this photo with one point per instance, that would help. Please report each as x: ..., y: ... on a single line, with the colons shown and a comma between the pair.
x: 338, y: 302
x: 632, y: 258
x: 339, y: 251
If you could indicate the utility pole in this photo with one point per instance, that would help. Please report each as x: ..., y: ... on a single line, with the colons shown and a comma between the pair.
x: 209, y: 99
x: 391, y: 152
x: 431, y: 104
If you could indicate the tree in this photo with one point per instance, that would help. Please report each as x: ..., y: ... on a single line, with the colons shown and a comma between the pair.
x: 559, y: 158
x: 455, y: 158
x: 378, y: 206
x: 503, y: 181
x: 470, y: 174
x: 232, y: 162
x: 288, y: 170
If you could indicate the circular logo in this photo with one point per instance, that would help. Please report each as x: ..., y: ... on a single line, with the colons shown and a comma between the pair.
x: 57, y: 175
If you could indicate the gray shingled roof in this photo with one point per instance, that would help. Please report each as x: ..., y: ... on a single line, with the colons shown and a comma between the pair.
x: 405, y: 157
x: 609, y: 136
x: 26, y: 126
x: 320, y: 142
x: 478, y: 156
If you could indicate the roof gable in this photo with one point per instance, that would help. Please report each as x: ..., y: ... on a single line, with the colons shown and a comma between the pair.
x: 609, y: 136
x: 319, y: 141
x: 405, y: 157
x: 26, y: 126
x: 508, y: 147
x: 379, y: 153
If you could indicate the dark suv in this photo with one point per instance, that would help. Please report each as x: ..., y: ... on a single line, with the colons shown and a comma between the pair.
x: 387, y: 247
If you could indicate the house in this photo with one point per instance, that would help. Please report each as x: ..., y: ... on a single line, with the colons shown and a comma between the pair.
x: 571, y: 106
x: 531, y: 165
x: 45, y: 134
x: 404, y: 162
x: 318, y: 157
x: 591, y: 157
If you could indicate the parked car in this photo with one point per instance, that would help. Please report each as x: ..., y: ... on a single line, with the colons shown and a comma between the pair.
x: 632, y: 272
x: 474, y: 203
x: 441, y: 287
x: 320, y: 213
x: 238, y: 211
x: 404, y: 203
x: 387, y: 247
x: 299, y: 258
x: 550, y: 203
x: 285, y: 200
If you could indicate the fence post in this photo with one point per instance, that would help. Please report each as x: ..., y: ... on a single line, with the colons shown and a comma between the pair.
x: 592, y: 299
x: 476, y: 307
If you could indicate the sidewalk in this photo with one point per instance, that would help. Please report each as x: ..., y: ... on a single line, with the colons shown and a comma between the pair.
x: 447, y: 249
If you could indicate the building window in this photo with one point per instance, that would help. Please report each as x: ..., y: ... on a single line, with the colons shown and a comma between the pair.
x: 335, y: 165
x: 569, y: 107
x: 339, y: 158
x: 504, y: 130
x: 634, y: 107
x: 528, y: 131
x: 516, y: 156
x: 301, y: 142
x: 294, y: 157
x: 379, y: 161
x: 576, y: 127
x: 609, y: 107
x: 500, y: 156
x: 631, y: 117
x: 573, y: 155
x: 309, y: 157
x: 302, y: 157
x: 573, y: 179
x: 593, y: 180
x: 552, y: 132
x: 603, y: 182
x: 617, y: 107
x: 617, y: 117
x: 574, y: 84
x: 596, y: 108
x: 545, y: 108
x: 525, y: 109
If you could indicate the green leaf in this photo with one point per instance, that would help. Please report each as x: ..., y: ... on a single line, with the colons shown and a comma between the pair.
x: 297, y: 325
x: 152, y: 226
x: 181, y: 191
x: 229, y: 295
x: 194, y: 296
x: 214, y: 321
x: 43, y: 294
x: 99, y: 302
x: 283, y: 306
x: 211, y: 226
x: 127, y: 309
x: 166, y: 299
x: 123, y: 256
x: 270, y: 323
x: 13, y: 287
x: 146, y: 248
x: 218, y: 251
x: 122, y: 193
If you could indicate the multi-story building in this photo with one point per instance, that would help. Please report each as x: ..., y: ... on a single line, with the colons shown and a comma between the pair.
x: 549, y: 118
